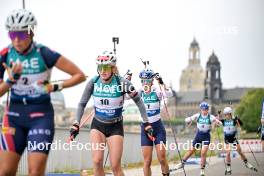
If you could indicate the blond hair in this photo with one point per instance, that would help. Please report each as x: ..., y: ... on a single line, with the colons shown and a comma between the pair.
x: 115, y: 70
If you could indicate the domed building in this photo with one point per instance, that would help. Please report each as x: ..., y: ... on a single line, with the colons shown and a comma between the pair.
x: 192, y: 77
x: 57, y: 100
x: 197, y: 85
x: 63, y: 116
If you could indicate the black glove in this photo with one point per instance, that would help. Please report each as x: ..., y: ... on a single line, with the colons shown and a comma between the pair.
x: 55, y: 86
x: 238, y: 121
x: 259, y: 130
x: 74, y: 131
x: 149, y: 131
x: 16, y: 76
x: 159, y: 79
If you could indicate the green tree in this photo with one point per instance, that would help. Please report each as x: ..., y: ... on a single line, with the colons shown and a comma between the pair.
x: 249, y: 109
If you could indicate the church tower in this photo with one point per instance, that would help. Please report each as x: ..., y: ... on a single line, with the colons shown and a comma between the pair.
x: 192, y: 77
x: 194, y: 53
x: 213, y: 82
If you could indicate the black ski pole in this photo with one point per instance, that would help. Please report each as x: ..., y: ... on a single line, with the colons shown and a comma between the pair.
x: 115, y: 40
x: 219, y: 139
x: 23, y: 4
x: 173, y: 132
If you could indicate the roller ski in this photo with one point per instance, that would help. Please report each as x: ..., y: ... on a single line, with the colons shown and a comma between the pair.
x: 177, y: 167
x: 251, y: 167
x: 228, y: 170
x: 202, y: 172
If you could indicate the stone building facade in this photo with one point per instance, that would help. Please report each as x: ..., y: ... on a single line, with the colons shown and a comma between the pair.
x: 192, y: 92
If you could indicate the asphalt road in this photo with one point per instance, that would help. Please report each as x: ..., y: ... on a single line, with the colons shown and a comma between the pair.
x: 215, y: 168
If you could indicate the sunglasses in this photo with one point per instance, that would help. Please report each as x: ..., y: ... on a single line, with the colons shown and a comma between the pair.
x: 21, y: 35
x: 146, y: 81
x: 104, y: 67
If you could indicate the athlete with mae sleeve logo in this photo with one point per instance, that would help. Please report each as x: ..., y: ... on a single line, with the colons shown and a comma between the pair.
x: 29, y: 118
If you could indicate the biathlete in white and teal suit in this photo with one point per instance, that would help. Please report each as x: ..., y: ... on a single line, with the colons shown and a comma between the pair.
x: 108, y: 90
x: 152, y: 98
x: 230, y: 125
x: 204, y: 121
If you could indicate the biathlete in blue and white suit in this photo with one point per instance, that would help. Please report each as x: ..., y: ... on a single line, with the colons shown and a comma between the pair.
x: 152, y: 97
x: 29, y: 119
x: 202, y: 138
x: 108, y: 90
